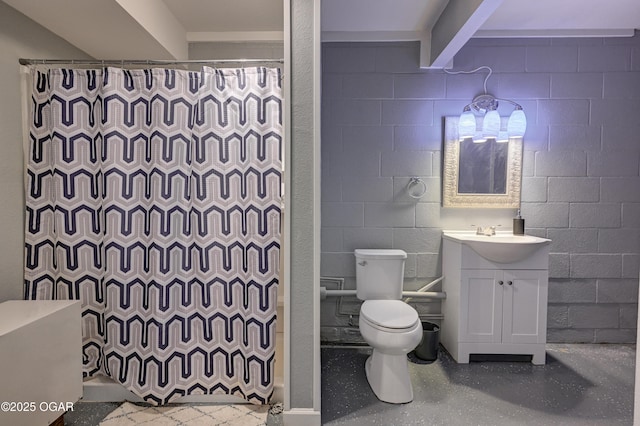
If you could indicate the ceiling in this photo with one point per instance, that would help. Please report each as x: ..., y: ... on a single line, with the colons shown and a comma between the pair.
x: 163, y: 29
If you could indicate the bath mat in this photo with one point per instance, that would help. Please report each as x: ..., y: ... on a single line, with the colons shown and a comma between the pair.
x: 188, y: 415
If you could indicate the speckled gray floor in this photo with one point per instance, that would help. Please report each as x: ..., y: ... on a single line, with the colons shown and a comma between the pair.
x: 579, y: 385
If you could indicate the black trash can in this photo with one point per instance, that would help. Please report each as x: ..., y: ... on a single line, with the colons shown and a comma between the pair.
x: 427, y: 350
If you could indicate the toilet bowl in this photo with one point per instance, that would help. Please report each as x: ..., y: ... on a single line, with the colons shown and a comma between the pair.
x: 390, y: 326
x: 393, y: 329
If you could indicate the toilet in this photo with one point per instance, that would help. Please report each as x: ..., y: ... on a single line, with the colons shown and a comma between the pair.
x: 390, y: 326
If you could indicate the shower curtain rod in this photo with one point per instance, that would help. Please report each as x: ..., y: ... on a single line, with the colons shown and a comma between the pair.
x: 24, y: 61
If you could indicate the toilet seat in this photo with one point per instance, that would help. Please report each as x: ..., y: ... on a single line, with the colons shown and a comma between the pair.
x: 389, y: 315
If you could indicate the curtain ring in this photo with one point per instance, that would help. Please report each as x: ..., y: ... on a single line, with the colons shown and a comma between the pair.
x: 416, y: 181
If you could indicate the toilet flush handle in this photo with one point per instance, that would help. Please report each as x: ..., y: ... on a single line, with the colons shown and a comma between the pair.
x: 363, y: 263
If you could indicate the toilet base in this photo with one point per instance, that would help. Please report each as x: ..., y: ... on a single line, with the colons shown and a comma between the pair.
x: 388, y: 376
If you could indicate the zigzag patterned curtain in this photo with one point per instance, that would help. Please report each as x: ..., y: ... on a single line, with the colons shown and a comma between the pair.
x: 153, y: 196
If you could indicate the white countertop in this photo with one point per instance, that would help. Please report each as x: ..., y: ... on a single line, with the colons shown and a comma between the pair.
x: 18, y: 313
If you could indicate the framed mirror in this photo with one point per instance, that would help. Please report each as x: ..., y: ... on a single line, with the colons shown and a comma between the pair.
x: 484, y: 175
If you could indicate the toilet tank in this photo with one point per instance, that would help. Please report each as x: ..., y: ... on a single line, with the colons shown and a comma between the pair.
x: 379, y: 273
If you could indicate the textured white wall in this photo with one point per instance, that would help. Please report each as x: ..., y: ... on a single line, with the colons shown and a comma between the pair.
x: 19, y: 38
x: 303, y: 211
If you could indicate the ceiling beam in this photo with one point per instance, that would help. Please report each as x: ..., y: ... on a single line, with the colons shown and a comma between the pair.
x: 457, y: 24
x: 156, y: 18
x: 235, y: 36
x: 561, y: 33
x: 366, y: 36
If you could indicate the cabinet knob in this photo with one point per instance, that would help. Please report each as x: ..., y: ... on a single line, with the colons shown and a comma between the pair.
x: 500, y: 282
x: 510, y: 282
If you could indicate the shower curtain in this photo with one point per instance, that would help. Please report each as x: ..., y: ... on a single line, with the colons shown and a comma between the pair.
x: 154, y: 197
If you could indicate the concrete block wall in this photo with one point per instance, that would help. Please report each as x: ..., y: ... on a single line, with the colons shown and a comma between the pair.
x: 382, y: 123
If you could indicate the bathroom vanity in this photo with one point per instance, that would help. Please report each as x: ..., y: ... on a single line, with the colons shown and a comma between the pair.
x: 496, y: 295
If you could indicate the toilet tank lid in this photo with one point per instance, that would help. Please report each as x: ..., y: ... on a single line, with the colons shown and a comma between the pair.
x: 380, y: 254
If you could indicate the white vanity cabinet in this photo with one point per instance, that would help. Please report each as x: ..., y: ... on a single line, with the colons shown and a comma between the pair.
x: 491, y: 307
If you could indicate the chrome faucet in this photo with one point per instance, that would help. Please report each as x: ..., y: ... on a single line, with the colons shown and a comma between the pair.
x: 486, y: 230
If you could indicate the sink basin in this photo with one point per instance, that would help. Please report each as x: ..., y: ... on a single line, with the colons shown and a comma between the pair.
x: 500, y: 248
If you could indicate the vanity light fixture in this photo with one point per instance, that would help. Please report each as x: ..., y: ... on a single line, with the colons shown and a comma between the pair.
x: 503, y: 137
x: 486, y: 105
x: 491, y: 124
x: 517, y: 123
x: 478, y: 137
x: 467, y: 124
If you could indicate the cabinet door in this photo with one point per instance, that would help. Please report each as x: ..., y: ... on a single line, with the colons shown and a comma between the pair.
x: 480, y: 306
x: 524, y: 307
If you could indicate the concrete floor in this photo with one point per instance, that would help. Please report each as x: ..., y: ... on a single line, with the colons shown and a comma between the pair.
x: 579, y: 385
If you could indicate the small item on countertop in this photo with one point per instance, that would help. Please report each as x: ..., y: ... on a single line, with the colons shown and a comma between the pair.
x: 518, y: 225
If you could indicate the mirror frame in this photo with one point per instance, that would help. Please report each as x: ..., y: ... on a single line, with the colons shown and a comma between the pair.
x: 450, y: 195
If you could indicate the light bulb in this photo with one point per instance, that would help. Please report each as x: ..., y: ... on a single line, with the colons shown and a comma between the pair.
x: 491, y: 124
x: 517, y: 124
x: 479, y: 138
x: 466, y: 124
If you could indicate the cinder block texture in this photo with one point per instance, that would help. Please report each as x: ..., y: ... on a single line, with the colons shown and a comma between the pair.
x: 628, y: 316
x: 552, y: 59
x: 534, y: 190
x: 382, y: 124
x: 572, y: 291
x: 617, y: 291
x: 596, y: 265
x: 570, y: 335
x: 574, y: 85
x: 630, y: 265
x: 561, y: 163
x: 616, y: 335
x: 573, y: 240
x: 574, y: 189
x: 564, y: 137
x: 557, y: 316
x: 594, y: 316
x: 373, y: 238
